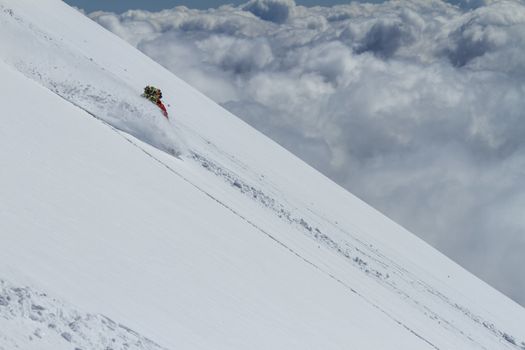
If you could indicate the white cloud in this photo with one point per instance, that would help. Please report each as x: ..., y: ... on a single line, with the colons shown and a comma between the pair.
x: 417, y: 106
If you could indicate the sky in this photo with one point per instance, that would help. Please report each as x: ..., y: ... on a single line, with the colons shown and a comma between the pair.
x: 120, y: 6
x: 415, y: 106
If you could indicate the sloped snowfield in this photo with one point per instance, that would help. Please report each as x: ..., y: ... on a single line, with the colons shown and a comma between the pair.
x: 250, y: 217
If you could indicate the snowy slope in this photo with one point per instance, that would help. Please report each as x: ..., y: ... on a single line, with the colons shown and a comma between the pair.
x: 233, y: 244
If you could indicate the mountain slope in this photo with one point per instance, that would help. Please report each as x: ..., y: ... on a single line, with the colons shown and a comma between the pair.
x: 235, y: 244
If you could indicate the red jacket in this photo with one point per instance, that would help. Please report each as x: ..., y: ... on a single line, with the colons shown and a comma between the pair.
x: 163, y: 108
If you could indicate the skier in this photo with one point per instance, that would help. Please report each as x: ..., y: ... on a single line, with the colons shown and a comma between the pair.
x: 155, y: 95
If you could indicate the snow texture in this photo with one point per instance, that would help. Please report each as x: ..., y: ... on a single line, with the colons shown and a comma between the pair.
x: 31, y: 319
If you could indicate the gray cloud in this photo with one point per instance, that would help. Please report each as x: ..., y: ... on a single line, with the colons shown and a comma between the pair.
x: 276, y: 11
x: 416, y: 106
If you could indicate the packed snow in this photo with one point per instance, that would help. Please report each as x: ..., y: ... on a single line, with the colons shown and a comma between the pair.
x: 195, y: 232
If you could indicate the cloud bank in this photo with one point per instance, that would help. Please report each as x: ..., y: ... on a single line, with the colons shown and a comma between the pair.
x: 416, y: 106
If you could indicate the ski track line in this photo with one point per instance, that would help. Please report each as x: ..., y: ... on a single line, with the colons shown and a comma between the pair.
x: 258, y: 228
x: 365, y: 250
x: 269, y: 235
x: 410, y: 278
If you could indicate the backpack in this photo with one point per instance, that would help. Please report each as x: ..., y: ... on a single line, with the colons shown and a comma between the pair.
x: 152, y: 93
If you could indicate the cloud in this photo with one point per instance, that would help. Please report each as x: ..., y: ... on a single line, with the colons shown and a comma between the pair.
x: 276, y: 11
x: 416, y: 106
x: 473, y: 4
x: 236, y: 55
x: 385, y: 37
x: 491, y: 29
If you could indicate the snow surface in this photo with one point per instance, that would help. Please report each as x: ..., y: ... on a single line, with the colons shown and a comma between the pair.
x: 32, y: 320
x: 198, y: 232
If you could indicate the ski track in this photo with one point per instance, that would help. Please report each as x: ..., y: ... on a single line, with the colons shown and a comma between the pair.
x: 363, y: 254
x: 258, y: 228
